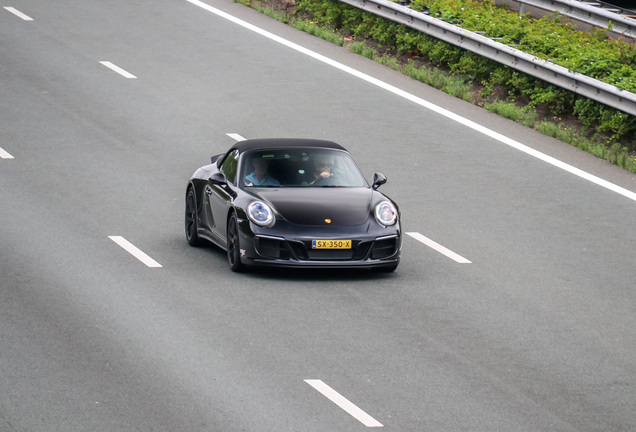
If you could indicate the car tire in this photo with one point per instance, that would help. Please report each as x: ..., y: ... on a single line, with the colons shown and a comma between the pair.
x: 191, y: 224
x: 233, y: 245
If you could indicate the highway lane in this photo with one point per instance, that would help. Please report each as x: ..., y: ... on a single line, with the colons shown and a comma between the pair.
x: 535, y: 334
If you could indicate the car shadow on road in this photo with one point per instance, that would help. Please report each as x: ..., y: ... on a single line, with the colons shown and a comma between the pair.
x: 306, y: 275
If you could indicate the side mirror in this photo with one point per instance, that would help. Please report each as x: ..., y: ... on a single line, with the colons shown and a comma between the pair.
x: 218, y: 178
x: 378, y: 180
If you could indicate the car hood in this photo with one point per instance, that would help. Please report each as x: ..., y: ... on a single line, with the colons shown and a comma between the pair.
x: 314, y: 206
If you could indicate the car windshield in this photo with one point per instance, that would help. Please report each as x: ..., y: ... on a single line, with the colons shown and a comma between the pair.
x: 302, y: 167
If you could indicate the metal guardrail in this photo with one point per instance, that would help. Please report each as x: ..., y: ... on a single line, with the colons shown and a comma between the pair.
x: 504, y: 54
x: 597, y: 14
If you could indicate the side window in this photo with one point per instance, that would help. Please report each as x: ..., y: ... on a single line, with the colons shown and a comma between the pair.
x: 229, y: 166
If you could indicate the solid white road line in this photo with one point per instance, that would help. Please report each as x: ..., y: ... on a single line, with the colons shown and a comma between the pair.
x: 343, y: 403
x: 439, y: 248
x: 424, y: 103
x: 4, y: 154
x: 18, y: 13
x: 134, y: 251
x: 236, y: 136
x: 117, y: 69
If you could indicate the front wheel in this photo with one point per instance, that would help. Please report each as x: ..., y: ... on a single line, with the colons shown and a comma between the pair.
x: 233, y: 247
x: 191, y: 225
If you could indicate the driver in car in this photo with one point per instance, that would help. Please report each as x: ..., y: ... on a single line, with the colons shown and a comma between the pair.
x: 322, y: 170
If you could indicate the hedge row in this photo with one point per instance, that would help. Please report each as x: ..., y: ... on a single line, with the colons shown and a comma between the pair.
x: 552, y: 37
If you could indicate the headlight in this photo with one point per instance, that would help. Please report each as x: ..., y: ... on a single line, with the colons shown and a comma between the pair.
x: 260, y: 213
x: 386, y: 213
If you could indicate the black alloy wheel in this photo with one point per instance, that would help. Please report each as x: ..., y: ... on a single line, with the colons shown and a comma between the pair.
x: 191, y: 225
x: 233, y: 247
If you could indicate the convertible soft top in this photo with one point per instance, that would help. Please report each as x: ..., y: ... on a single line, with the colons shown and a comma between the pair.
x: 271, y: 143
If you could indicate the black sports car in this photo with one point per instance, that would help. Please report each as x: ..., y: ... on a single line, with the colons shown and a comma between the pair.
x: 292, y: 202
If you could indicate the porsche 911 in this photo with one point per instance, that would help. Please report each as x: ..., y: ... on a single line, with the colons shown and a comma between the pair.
x: 292, y: 203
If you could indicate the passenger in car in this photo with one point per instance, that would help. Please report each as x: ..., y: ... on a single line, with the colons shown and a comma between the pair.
x: 260, y: 176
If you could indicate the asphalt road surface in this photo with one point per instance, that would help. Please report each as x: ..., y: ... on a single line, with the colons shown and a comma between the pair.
x: 513, y: 308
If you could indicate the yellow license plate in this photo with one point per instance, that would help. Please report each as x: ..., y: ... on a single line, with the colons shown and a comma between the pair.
x: 331, y: 244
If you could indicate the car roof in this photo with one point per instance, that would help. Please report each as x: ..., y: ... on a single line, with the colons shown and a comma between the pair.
x: 272, y: 143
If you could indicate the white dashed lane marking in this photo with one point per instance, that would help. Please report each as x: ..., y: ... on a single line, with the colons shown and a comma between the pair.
x: 117, y: 69
x: 16, y: 12
x: 4, y: 154
x: 439, y: 248
x: 134, y: 251
x: 236, y: 136
x: 343, y: 403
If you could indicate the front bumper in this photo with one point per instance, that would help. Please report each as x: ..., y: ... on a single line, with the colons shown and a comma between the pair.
x: 368, y: 250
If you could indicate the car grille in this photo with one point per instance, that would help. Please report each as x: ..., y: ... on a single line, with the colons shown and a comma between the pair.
x: 281, y: 249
